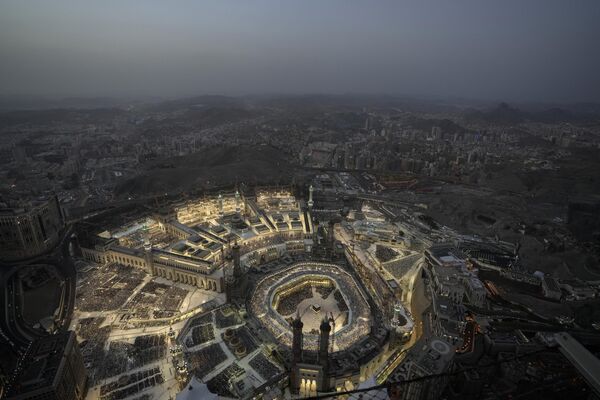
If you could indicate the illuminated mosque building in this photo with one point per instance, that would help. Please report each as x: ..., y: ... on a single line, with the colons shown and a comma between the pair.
x: 307, y: 373
x: 209, y: 236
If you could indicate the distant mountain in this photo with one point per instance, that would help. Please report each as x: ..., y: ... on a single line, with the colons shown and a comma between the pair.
x: 354, y: 101
x: 554, y: 115
x: 213, y: 116
x: 196, y: 102
x: 16, y: 103
x: 51, y: 115
x: 505, y: 114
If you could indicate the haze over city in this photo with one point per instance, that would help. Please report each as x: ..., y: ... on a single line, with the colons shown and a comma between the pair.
x: 536, y: 50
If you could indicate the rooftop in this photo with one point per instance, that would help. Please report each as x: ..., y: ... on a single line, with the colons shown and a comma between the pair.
x: 41, y: 363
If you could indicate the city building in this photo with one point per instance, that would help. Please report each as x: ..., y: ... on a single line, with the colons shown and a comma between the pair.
x: 166, y: 264
x: 430, y: 358
x: 550, y: 288
x: 30, y: 230
x: 307, y: 374
x: 51, y: 369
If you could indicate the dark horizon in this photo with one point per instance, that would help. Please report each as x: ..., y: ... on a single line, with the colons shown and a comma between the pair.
x: 26, y: 102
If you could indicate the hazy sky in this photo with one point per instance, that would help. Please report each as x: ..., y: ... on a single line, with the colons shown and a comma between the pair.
x: 503, y: 49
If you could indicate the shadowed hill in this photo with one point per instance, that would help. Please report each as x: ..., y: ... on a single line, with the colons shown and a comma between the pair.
x: 212, y: 167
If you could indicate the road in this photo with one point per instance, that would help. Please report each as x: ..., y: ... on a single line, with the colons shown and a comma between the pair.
x: 419, y: 304
x: 13, y: 328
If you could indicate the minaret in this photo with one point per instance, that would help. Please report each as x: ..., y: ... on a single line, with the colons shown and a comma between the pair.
x: 237, y: 266
x: 324, y: 354
x: 310, y: 197
x: 397, y: 315
x: 237, y: 201
x: 297, y: 339
x: 325, y: 329
x: 148, y: 255
x: 221, y: 205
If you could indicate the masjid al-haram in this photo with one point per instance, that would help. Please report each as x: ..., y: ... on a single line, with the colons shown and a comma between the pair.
x: 243, y: 291
x: 259, y: 293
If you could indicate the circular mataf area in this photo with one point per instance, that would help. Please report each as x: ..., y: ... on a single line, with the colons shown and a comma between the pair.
x: 313, y: 297
x: 314, y: 291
